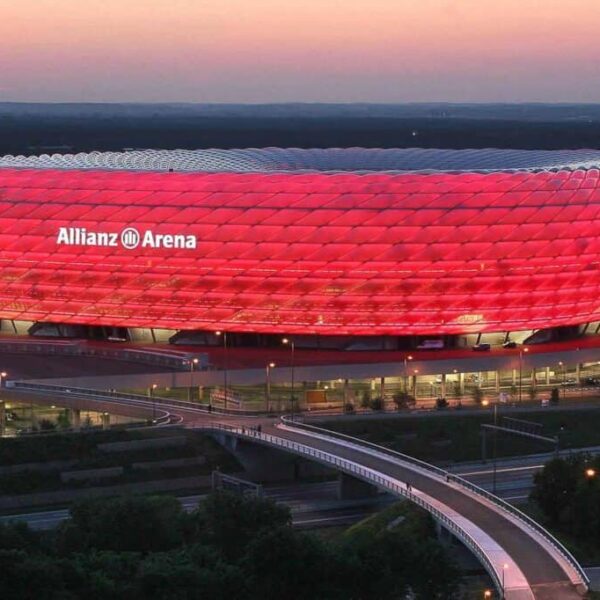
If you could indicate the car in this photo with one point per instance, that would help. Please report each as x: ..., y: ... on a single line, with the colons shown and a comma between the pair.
x: 509, y: 344
x: 431, y: 345
x: 482, y: 347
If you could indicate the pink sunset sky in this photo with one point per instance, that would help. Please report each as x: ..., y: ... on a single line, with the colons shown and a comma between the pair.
x: 300, y: 50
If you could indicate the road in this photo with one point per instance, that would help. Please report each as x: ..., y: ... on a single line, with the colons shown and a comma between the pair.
x: 312, y: 506
x: 514, y: 476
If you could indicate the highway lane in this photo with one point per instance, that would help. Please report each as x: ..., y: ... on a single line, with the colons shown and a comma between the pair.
x: 514, y: 476
x: 312, y: 505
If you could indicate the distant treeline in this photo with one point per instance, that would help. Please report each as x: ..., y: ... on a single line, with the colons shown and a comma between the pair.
x: 39, y: 134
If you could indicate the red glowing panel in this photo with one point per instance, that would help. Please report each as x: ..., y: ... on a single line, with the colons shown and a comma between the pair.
x: 301, y: 253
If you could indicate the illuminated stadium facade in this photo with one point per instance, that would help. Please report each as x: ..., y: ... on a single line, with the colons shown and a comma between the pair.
x: 336, y: 242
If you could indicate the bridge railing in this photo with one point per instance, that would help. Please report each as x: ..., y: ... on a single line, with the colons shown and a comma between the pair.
x: 64, y: 390
x: 179, y: 361
x: 496, y: 500
x: 371, y: 476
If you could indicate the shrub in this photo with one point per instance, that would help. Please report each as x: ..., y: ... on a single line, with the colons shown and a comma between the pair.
x: 377, y: 403
x: 403, y: 400
x: 441, y: 403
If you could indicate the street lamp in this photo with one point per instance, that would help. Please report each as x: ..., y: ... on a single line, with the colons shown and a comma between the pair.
x: 564, y: 381
x: 193, y: 363
x: 270, y: 366
x: 590, y: 473
x: 504, y: 567
x: 406, y: 359
x: 487, y: 594
x: 151, y: 390
x: 3, y: 378
x: 292, y: 345
x: 521, y: 373
x: 224, y: 334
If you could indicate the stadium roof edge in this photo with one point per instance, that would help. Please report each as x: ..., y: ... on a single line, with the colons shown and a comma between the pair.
x: 325, y: 160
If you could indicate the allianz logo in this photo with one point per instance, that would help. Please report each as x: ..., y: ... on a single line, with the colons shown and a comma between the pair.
x: 129, y: 238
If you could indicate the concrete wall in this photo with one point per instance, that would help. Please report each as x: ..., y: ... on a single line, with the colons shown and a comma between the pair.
x: 66, y: 497
x: 159, y: 442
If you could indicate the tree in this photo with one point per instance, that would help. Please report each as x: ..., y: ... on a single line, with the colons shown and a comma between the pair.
x: 403, y: 400
x: 441, y: 403
x: 46, y: 425
x: 366, y: 399
x: 554, y: 486
x: 62, y: 420
x: 127, y: 523
x: 532, y: 392
x: 377, y: 403
x: 230, y: 522
x: 282, y: 563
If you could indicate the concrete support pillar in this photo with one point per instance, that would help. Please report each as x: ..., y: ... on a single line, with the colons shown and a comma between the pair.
x: 105, y: 420
x: 461, y: 383
x: 443, y: 386
x: 413, y: 385
x: 350, y: 488
x: 346, y: 392
x: 442, y: 534
x: 76, y: 419
x: 382, y: 387
x: 514, y: 377
x: 533, y: 379
x: 2, y: 417
x: 497, y: 381
x: 372, y: 385
x: 547, y: 375
x: 578, y: 373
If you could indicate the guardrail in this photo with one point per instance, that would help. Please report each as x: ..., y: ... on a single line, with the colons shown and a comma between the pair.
x: 496, y: 500
x: 71, y: 391
x: 370, y: 476
x: 180, y: 362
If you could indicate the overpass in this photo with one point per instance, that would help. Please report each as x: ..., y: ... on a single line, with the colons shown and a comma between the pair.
x: 524, y: 560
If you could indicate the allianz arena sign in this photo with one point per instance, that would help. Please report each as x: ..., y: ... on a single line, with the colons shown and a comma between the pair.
x: 129, y: 238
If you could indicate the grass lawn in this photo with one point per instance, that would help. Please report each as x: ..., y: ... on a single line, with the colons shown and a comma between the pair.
x: 443, y: 439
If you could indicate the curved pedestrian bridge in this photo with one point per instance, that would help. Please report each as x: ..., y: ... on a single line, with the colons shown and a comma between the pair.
x: 524, y: 560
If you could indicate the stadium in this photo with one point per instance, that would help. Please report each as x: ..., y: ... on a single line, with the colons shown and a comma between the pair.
x: 364, y: 258
x: 344, y: 242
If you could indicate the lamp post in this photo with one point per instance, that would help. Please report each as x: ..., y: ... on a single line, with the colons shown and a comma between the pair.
x: 151, y: 390
x: 487, y: 594
x: 521, y: 373
x: 291, y: 344
x: 224, y: 334
x: 504, y: 567
x: 193, y: 363
x: 270, y: 366
x: 564, y: 381
x: 406, y: 359
x: 590, y: 474
x: 494, y: 471
x: 3, y: 379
